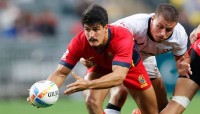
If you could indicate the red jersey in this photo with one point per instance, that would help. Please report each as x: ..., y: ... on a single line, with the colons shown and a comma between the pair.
x: 196, y: 45
x: 194, y: 52
x: 119, y: 50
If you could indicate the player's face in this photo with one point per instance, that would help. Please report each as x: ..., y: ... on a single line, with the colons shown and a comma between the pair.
x: 96, y: 34
x: 161, y: 29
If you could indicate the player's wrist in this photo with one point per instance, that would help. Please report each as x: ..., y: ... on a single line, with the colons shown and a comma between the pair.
x: 90, y: 85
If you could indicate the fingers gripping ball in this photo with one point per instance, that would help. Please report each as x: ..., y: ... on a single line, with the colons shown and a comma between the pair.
x: 44, y: 93
x: 136, y: 111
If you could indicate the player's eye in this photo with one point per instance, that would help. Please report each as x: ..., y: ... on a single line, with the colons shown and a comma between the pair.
x: 168, y: 30
x: 95, y: 29
x: 86, y: 29
x: 160, y: 27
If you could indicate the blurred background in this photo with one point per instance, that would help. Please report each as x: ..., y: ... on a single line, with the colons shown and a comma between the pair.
x: 34, y: 35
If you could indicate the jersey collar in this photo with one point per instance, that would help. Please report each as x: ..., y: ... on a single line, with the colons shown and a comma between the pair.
x: 148, y: 30
x: 108, y: 41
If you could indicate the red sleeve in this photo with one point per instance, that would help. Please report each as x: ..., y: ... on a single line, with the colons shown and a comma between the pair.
x: 123, y: 47
x: 73, y: 52
x: 196, y: 45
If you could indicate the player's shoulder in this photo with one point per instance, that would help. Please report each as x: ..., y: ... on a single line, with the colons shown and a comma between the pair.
x: 179, y: 31
x: 134, y: 23
x: 120, y: 34
x: 118, y: 30
x: 139, y: 16
x: 136, y: 18
x: 179, y: 28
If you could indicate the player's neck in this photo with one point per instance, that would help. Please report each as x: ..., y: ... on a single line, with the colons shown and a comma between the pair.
x: 102, y: 46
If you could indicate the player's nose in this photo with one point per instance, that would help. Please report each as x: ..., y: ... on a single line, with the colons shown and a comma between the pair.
x: 91, y: 33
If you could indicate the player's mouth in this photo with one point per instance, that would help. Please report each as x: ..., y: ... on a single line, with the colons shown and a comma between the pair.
x: 92, y: 40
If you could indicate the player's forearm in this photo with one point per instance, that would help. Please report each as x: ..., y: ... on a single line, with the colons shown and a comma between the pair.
x: 183, y: 65
x: 58, y: 79
x: 194, y: 35
x: 107, y: 81
x: 59, y: 75
x: 110, y: 80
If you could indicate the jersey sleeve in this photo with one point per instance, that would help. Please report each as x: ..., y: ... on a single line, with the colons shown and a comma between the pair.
x: 123, y: 49
x: 196, y: 46
x: 72, y: 54
x: 182, y: 40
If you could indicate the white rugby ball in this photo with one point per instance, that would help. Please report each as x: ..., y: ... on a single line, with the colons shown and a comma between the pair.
x: 43, y: 93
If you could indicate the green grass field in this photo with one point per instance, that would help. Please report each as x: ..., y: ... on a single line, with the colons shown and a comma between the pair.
x: 67, y: 106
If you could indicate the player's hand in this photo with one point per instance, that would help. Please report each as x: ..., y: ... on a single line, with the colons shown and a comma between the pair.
x: 194, y: 35
x: 79, y: 85
x: 183, y: 67
x: 87, y: 62
x: 29, y: 101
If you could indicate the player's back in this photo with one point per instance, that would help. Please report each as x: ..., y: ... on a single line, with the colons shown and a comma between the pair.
x: 139, y: 26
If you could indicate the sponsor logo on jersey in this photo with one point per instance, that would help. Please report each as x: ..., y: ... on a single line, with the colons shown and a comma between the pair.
x: 64, y: 55
x: 142, y: 81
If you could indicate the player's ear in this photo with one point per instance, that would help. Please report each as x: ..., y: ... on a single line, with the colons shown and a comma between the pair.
x: 106, y: 26
x: 153, y: 17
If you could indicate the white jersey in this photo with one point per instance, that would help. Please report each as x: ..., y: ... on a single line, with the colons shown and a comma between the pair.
x: 138, y: 25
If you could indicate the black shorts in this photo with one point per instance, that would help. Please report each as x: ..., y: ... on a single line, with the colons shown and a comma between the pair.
x: 195, y: 67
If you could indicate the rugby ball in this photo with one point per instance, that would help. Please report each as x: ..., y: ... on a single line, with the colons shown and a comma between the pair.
x: 43, y: 93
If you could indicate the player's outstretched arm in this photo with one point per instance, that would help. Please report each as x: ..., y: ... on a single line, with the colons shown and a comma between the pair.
x: 79, y: 85
x: 107, y: 81
x: 58, y: 77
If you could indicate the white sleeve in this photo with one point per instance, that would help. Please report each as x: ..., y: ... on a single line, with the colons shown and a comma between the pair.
x: 182, y: 41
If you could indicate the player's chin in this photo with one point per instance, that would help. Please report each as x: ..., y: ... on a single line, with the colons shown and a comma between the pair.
x: 94, y: 44
x: 158, y: 40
